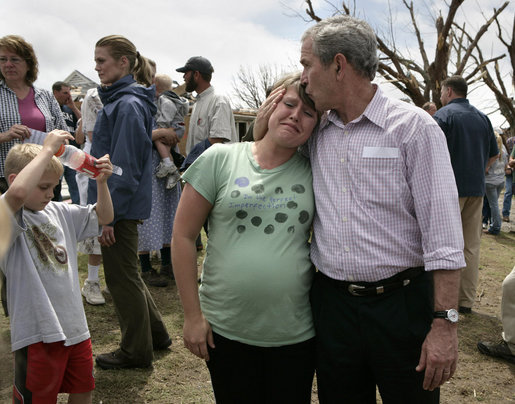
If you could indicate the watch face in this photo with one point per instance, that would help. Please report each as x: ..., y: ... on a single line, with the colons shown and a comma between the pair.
x: 452, y: 315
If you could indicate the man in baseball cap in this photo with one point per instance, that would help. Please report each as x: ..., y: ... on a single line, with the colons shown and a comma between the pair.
x: 197, y: 64
x: 211, y: 118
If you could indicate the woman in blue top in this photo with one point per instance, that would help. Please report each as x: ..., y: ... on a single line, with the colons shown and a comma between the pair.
x: 251, y: 320
x: 123, y: 130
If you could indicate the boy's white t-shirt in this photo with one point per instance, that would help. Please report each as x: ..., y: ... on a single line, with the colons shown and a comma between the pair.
x: 43, y: 291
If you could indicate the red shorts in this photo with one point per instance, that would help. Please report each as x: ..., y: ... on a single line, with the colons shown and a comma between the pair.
x: 44, y: 370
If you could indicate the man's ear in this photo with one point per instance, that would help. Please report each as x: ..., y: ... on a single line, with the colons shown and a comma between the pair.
x: 340, y: 63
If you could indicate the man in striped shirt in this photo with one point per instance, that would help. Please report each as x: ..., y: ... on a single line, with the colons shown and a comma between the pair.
x: 387, y: 228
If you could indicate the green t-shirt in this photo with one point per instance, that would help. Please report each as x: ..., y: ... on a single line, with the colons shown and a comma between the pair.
x: 257, y: 273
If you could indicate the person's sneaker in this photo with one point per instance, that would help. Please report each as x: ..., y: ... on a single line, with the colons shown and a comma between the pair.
x: 163, y: 170
x: 506, y: 219
x: 496, y: 349
x: 91, y: 291
x: 152, y: 278
x: 173, y: 179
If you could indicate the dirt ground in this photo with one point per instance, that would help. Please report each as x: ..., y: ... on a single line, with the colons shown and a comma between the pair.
x: 179, y: 377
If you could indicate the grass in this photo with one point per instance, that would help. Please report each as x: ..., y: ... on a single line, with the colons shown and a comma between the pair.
x: 179, y: 377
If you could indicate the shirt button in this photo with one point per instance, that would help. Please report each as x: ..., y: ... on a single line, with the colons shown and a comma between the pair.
x: 344, y: 219
x: 342, y: 161
x: 347, y: 249
x: 344, y: 189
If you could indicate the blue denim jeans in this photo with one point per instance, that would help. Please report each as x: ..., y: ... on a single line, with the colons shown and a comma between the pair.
x: 492, y: 193
x: 508, y: 193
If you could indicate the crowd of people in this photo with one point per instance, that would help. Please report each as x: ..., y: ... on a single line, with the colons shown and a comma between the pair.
x: 323, y: 254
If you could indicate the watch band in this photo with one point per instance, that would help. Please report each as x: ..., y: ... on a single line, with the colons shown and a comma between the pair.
x: 449, y: 315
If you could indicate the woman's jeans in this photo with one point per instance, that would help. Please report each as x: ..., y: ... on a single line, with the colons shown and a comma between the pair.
x: 492, y: 193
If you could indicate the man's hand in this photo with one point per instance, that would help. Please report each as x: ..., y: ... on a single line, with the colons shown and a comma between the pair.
x: 107, y: 238
x: 439, y: 355
x: 265, y: 111
x: 197, y: 335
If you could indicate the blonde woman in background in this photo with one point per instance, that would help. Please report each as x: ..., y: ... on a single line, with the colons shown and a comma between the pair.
x: 494, y: 182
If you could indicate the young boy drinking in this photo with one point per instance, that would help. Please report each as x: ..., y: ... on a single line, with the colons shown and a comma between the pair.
x: 49, y: 334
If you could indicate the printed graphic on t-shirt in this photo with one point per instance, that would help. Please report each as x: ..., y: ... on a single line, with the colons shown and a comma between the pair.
x: 249, y: 200
x: 46, y: 254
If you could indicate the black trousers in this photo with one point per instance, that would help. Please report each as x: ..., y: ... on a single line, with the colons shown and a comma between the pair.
x: 242, y: 373
x: 369, y: 341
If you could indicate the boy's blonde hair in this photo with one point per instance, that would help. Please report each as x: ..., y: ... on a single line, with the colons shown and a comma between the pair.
x: 22, y: 154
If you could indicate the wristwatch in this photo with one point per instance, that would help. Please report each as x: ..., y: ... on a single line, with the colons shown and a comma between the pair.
x: 450, y: 315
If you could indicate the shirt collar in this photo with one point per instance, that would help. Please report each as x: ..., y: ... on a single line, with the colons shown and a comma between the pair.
x: 374, y: 112
x: 206, y: 92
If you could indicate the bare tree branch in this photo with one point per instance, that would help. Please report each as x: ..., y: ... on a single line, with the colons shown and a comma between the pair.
x: 478, y: 36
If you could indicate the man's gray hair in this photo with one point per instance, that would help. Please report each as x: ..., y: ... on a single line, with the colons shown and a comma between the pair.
x: 349, y: 36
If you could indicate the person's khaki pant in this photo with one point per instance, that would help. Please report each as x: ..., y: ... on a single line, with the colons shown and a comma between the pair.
x: 508, y: 310
x: 140, y: 321
x: 470, y: 208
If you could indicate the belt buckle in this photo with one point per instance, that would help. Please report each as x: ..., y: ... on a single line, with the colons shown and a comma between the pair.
x: 354, y: 288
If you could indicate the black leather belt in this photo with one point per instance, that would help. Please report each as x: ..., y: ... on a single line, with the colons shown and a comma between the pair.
x: 397, y: 281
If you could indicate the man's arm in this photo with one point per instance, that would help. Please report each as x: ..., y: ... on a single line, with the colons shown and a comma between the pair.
x: 79, y: 133
x: 439, y: 354
x: 70, y: 104
x: 221, y: 122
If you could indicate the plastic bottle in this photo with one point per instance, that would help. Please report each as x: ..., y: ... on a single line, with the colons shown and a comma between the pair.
x: 81, y: 161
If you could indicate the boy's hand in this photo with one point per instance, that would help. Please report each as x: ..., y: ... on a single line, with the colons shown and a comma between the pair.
x: 106, y: 168
x: 55, y: 139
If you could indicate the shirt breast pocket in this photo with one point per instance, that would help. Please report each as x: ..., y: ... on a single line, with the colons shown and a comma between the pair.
x: 380, y: 174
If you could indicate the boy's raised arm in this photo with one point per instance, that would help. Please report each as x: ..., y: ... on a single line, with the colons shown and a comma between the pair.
x: 104, y: 206
x: 24, y: 182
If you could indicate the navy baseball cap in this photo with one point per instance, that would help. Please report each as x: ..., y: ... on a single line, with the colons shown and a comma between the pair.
x: 197, y: 64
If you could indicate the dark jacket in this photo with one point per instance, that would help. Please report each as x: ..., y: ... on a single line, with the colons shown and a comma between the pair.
x: 124, y: 131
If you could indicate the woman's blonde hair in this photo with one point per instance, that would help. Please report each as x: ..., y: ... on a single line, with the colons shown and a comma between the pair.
x: 23, y: 49
x: 119, y: 46
x: 21, y: 155
x: 499, y: 143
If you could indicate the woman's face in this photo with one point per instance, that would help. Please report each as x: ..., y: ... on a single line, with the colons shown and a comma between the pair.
x: 14, y: 67
x: 292, y: 121
x: 109, y: 70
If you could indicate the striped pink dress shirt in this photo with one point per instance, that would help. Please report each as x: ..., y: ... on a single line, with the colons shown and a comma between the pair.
x: 386, y: 198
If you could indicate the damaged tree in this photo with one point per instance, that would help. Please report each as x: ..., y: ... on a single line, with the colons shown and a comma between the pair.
x: 454, y: 54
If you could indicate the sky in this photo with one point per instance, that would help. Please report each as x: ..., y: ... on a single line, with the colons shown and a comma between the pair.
x: 230, y: 33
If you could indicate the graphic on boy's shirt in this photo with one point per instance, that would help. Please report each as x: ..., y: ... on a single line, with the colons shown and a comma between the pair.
x: 42, y: 246
x: 246, y: 201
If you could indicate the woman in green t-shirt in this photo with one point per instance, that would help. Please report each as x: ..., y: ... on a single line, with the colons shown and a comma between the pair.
x: 251, y: 319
